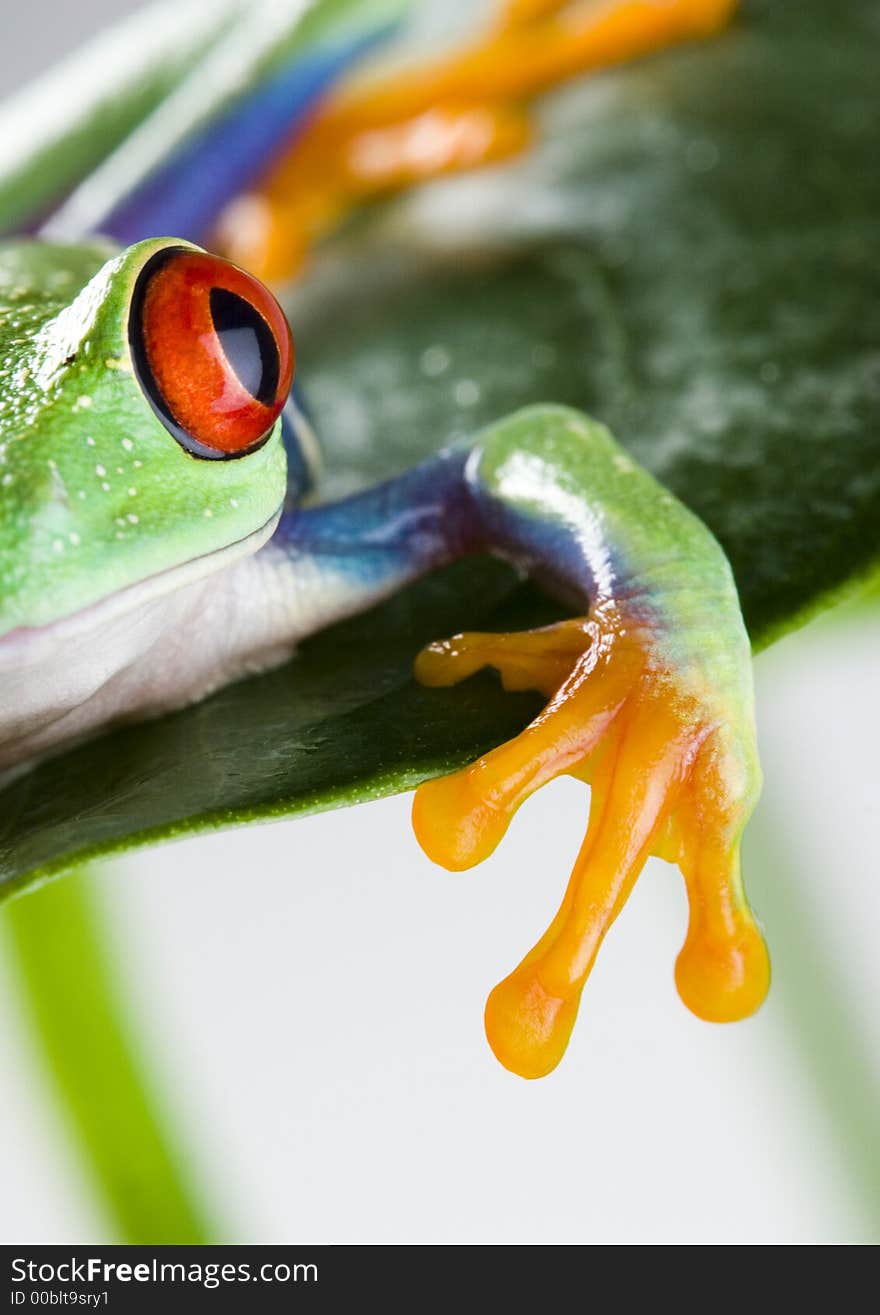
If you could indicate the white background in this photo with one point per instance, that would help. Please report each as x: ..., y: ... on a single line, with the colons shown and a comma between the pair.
x: 312, y: 992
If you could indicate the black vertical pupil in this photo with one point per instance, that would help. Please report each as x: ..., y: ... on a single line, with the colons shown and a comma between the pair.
x: 248, y: 344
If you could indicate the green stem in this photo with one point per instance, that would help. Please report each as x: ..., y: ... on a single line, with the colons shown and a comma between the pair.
x: 72, y: 995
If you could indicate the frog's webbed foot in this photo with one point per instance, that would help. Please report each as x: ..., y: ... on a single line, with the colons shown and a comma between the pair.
x: 667, y: 777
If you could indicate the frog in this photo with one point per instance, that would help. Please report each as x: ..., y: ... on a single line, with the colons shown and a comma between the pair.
x: 158, y: 541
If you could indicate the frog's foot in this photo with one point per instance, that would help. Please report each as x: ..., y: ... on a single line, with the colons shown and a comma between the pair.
x: 666, y: 778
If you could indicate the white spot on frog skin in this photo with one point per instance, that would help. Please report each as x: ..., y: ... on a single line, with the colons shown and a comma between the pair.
x: 58, y: 545
x: 106, y: 487
x: 132, y: 518
x: 112, y: 362
x: 119, y: 470
x: 132, y: 492
x: 53, y: 465
x: 82, y: 403
x: 622, y: 463
x: 99, y: 470
x: 466, y: 392
x: 138, y: 464
x: 74, y: 538
x: 233, y: 502
x: 127, y: 444
x: 7, y: 480
x: 82, y: 495
x: 207, y: 512
x: 434, y: 360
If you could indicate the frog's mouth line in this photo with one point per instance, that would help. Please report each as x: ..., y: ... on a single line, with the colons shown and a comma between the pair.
x: 28, y: 643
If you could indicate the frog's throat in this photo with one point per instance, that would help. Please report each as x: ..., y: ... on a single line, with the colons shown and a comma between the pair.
x: 170, y: 640
x: 30, y: 641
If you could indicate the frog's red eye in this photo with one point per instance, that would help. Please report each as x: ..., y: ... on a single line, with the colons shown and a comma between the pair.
x: 212, y: 351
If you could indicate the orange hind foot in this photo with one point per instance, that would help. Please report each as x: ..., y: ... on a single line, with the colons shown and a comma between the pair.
x: 670, y: 775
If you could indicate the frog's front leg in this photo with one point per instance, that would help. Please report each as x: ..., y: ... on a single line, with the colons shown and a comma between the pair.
x: 650, y: 698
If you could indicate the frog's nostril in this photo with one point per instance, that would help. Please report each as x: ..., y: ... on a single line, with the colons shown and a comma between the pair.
x: 212, y: 351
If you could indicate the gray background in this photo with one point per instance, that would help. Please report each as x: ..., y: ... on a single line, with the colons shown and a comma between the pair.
x: 36, y: 33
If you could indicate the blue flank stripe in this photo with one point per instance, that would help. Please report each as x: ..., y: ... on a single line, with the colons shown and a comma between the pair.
x: 441, y: 510
x: 392, y: 532
x: 186, y: 196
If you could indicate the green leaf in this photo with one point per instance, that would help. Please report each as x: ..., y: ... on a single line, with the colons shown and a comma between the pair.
x: 342, y: 723
x: 693, y: 256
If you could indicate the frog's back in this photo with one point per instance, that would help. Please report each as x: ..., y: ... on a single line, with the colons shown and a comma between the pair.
x: 35, y: 286
x: 37, y: 283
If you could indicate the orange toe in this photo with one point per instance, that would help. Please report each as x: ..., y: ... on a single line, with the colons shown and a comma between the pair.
x: 723, y: 981
x: 527, y: 1026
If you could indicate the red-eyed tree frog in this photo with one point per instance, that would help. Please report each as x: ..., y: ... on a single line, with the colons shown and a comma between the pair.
x: 152, y: 548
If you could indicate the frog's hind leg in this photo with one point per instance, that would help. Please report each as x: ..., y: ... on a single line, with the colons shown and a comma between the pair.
x: 243, y: 99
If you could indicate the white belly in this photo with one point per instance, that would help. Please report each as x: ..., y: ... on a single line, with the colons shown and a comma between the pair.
x: 153, y: 647
x: 168, y: 641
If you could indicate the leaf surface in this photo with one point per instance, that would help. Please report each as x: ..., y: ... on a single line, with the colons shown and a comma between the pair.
x: 693, y: 256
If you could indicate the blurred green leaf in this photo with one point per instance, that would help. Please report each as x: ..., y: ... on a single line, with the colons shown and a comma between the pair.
x: 72, y: 997
x: 693, y: 255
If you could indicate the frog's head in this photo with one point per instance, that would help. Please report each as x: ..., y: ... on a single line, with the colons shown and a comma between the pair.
x: 139, y: 429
